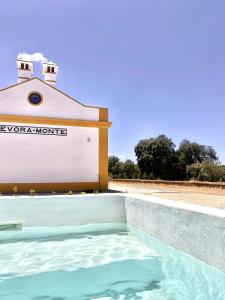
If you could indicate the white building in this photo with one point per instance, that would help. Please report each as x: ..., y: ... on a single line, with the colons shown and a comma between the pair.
x: 50, y: 141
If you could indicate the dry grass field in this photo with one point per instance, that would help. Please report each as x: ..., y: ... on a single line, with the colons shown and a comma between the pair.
x: 213, y: 197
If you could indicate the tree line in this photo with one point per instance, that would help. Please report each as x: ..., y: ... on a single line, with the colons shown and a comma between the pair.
x: 158, y: 158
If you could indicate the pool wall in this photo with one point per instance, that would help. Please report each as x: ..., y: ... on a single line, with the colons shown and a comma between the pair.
x: 193, y: 229
x: 63, y: 210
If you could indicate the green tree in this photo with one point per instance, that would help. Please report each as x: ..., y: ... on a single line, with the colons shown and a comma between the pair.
x: 223, y: 173
x: 192, y: 152
x: 206, y: 171
x: 130, y: 169
x: 157, y: 158
x: 114, y: 166
x: 119, y: 169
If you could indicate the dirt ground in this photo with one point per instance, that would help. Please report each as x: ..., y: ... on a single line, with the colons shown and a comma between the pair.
x: 213, y: 197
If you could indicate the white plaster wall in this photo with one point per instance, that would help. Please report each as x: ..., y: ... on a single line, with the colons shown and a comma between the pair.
x: 13, y: 101
x: 24, y: 74
x: 63, y: 210
x: 193, y: 229
x: 46, y: 158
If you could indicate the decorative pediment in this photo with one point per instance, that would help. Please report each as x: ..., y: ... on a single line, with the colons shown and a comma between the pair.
x: 39, y: 99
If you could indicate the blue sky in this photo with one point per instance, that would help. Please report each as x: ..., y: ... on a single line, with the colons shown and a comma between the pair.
x: 159, y: 65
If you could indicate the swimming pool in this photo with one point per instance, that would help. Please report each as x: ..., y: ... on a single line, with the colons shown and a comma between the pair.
x: 100, y: 261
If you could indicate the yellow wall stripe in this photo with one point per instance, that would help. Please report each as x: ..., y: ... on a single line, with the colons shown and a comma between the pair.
x: 54, y: 121
x: 103, y: 150
x: 48, y: 187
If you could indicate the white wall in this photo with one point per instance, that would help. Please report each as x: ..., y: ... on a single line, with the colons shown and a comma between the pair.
x: 14, y: 101
x: 63, y: 210
x: 46, y: 158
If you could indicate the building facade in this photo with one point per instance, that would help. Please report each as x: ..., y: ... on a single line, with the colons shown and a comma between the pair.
x: 50, y: 141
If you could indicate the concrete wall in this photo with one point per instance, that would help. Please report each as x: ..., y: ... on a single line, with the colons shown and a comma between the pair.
x: 196, y: 230
x: 50, y: 158
x: 63, y: 210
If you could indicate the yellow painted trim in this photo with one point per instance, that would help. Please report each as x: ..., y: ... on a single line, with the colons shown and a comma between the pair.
x: 53, y: 121
x: 103, y: 114
x: 103, y: 158
x: 8, y: 188
x: 103, y: 150
x: 53, y: 87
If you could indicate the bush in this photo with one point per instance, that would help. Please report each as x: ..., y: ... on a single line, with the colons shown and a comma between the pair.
x: 206, y: 171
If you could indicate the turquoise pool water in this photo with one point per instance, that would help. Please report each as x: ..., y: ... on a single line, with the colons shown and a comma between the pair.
x: 104, y: 262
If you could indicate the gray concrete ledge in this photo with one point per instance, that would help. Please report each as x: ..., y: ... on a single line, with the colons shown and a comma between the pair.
x: 193, y: 229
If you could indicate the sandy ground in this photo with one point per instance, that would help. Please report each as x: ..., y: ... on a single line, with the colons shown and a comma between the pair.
x: 213, y: 197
